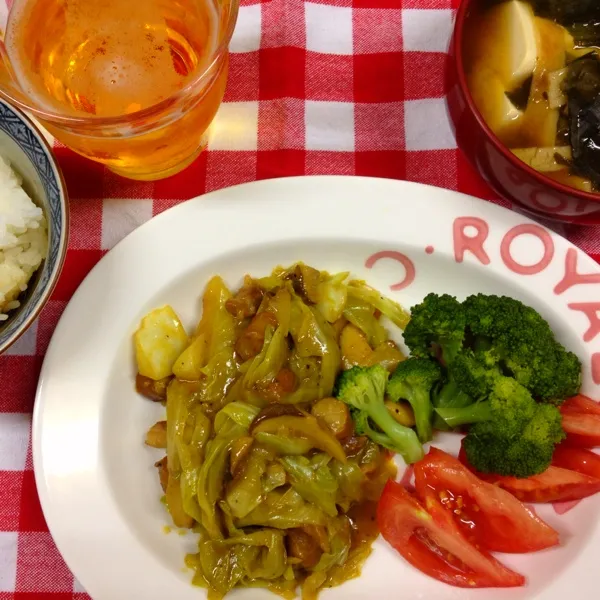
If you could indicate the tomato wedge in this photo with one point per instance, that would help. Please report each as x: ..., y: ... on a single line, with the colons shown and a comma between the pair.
x: 581, y: 404
x: 582, y: 429
x: 577, y: 459
x: 489, y: 516
x: 581, y: 421
x: 555, y: 484
x: 431, y: 541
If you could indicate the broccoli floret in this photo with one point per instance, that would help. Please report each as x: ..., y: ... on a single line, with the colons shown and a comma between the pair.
x: 437, y: 324
x: 523, y: 455
x: 413, y: 380
x: 472, y: 374
x: 509, y: 407
x: 510, y: 433
x: 363, y: 389
x: 468, y: 379
x: 561, y: 378
x: 517, y: 339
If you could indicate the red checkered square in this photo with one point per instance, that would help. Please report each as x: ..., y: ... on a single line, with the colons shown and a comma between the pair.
x: 40, y: 596
x: 282, y: 72
x: 84, y: 178
x: 19, y: 377
x: 78, y: 263
x: 388, y: 163
x: 380, y: 4
x: 332, y: 163
x: 434, y: 167
x: 29, y: 457
x: 429, y: 4
x: 329, y: 77
x: 283, y: 24
x: 281, y: 124
x: 334, y: 2
x: 242, y: 80
x: 280, y: 163
x: 595, y: 256
x: 377, y: 30
x: 229, y: 168
x: 379, y: 77
x: 40, y: 567
x: 379, y: 126
x: 47, y: 323
x: 426, y: 77
x: 86, y: 223
x: 587, y: 238
x: 185, y: 185
x: 11, y: 483
x: 31, y: 517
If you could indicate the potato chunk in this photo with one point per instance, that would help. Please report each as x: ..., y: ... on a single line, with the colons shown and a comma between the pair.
x: 159, y: 340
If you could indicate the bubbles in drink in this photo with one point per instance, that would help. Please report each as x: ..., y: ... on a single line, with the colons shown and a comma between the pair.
x: 108, y: 57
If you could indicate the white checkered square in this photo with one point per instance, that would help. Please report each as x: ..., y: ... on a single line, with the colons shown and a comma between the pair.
x: 120, y: 217
x: 8, y: 560
x: 78, y: 588
x: 427, y: 30
x: 426, y: 125
x: 26, y: 344
x: 14, y: 441
x: 235, y: 127
x: 328, y: 28
x: 329, y: 126
x: 246, y: 36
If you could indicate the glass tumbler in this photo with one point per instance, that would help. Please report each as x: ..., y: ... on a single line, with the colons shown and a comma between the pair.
x: 132, y: 84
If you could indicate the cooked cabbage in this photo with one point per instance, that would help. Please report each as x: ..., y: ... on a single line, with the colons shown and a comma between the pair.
x: 274, y: 491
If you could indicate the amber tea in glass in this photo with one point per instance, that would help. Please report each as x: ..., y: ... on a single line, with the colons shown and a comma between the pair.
x: 133, y: 84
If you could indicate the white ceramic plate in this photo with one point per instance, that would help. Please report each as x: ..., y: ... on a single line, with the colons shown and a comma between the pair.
x: 96, y: 479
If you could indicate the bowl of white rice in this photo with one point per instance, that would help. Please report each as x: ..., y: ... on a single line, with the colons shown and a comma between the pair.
x: 34, y: 224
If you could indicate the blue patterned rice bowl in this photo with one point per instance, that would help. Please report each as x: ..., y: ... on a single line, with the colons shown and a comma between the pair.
x: 24, y: 148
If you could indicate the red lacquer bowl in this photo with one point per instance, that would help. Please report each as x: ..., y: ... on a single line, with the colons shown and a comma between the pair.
x: 504, y: 172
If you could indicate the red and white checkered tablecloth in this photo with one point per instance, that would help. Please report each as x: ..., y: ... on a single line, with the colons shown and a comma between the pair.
x: 315, y: 87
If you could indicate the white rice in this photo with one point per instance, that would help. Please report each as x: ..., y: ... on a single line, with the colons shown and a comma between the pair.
x: 23, y: 239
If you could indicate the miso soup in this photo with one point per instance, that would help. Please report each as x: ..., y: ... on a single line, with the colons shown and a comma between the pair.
x: 533, y: 70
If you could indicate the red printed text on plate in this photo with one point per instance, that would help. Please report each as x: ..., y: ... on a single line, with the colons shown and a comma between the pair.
x: 409, y: 267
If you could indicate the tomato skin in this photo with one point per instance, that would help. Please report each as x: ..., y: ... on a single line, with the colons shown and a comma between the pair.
x: 582, y: 429
x: 425, y: 536
x: 577, y: 459
x: 556, y: 484
x: 491, y: 517
x: 581, y: 421
x: 580, y: 404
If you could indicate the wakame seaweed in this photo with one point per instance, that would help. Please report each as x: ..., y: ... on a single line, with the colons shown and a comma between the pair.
x: 520, y: 96
x: 586, y: 34
x: 582, y: 87
x: 568, y: 12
